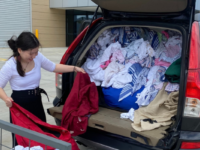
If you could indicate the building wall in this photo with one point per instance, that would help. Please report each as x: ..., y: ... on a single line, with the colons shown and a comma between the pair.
x: 50, y: 24
x: 198, y: 5
x: 72, y: 3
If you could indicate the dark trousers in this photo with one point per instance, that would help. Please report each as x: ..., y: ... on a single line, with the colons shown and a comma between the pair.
x: 31, y: 102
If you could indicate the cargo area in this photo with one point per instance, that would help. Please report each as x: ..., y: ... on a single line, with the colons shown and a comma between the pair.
x: 108, y: 117
x: 108, y: 120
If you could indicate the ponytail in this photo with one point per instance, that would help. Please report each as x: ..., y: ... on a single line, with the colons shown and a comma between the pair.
x: 13, y: 45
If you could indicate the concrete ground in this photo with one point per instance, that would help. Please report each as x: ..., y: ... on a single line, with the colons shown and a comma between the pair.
x: 47, y: 83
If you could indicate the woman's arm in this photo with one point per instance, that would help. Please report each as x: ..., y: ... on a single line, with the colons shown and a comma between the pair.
x: 67, y: 68
x: 58, y: 68
x: 5, y: 98
x: 5, y: 76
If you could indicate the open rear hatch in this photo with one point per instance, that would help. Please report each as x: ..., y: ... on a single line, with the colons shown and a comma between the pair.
x: 179, y: 10
x: 145, y: 6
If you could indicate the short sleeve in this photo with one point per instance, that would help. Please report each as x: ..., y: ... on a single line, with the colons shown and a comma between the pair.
x: 46, y: 63
x: 5, y: 74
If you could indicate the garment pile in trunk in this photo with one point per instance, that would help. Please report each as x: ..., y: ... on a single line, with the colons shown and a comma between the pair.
x: 132, y: 65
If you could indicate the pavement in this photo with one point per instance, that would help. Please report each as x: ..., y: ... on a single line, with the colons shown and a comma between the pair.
x: 47, y: 83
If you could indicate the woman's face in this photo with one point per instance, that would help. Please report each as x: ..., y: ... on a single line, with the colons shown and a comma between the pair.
x: 29, y: 55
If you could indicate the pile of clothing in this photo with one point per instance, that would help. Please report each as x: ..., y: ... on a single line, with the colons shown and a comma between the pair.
x: 132, y: 64
x: 158, y: 113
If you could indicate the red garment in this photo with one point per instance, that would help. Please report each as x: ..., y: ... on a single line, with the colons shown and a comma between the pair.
x: 25, y: 119
x: 81, y: 102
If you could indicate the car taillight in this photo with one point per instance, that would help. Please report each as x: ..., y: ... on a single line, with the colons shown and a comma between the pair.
x: 190, y: 145
x: 59, y: 81
x: 192, y: 105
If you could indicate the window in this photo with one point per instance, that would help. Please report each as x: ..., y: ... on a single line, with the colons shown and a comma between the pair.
x: 74, y: 20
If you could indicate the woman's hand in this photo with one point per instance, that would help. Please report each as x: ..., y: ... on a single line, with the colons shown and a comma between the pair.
x: 8, y: 101
x: 77, y: 69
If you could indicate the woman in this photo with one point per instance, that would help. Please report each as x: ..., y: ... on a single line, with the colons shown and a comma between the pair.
x: 23, y: 71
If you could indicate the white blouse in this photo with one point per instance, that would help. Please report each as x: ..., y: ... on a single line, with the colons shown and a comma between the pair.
x: 31, y: 80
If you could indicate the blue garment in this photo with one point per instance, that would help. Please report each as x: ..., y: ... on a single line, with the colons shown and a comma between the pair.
x: 115, y: 31
x: 111, y: 97
x: 154, y: 40
x: 128, y: 35
x: 134, y: 70
x: 131, y: 34
x: 152, y: 37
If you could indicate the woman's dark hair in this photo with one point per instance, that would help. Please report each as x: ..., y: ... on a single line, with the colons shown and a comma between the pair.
x: 25, y: 41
